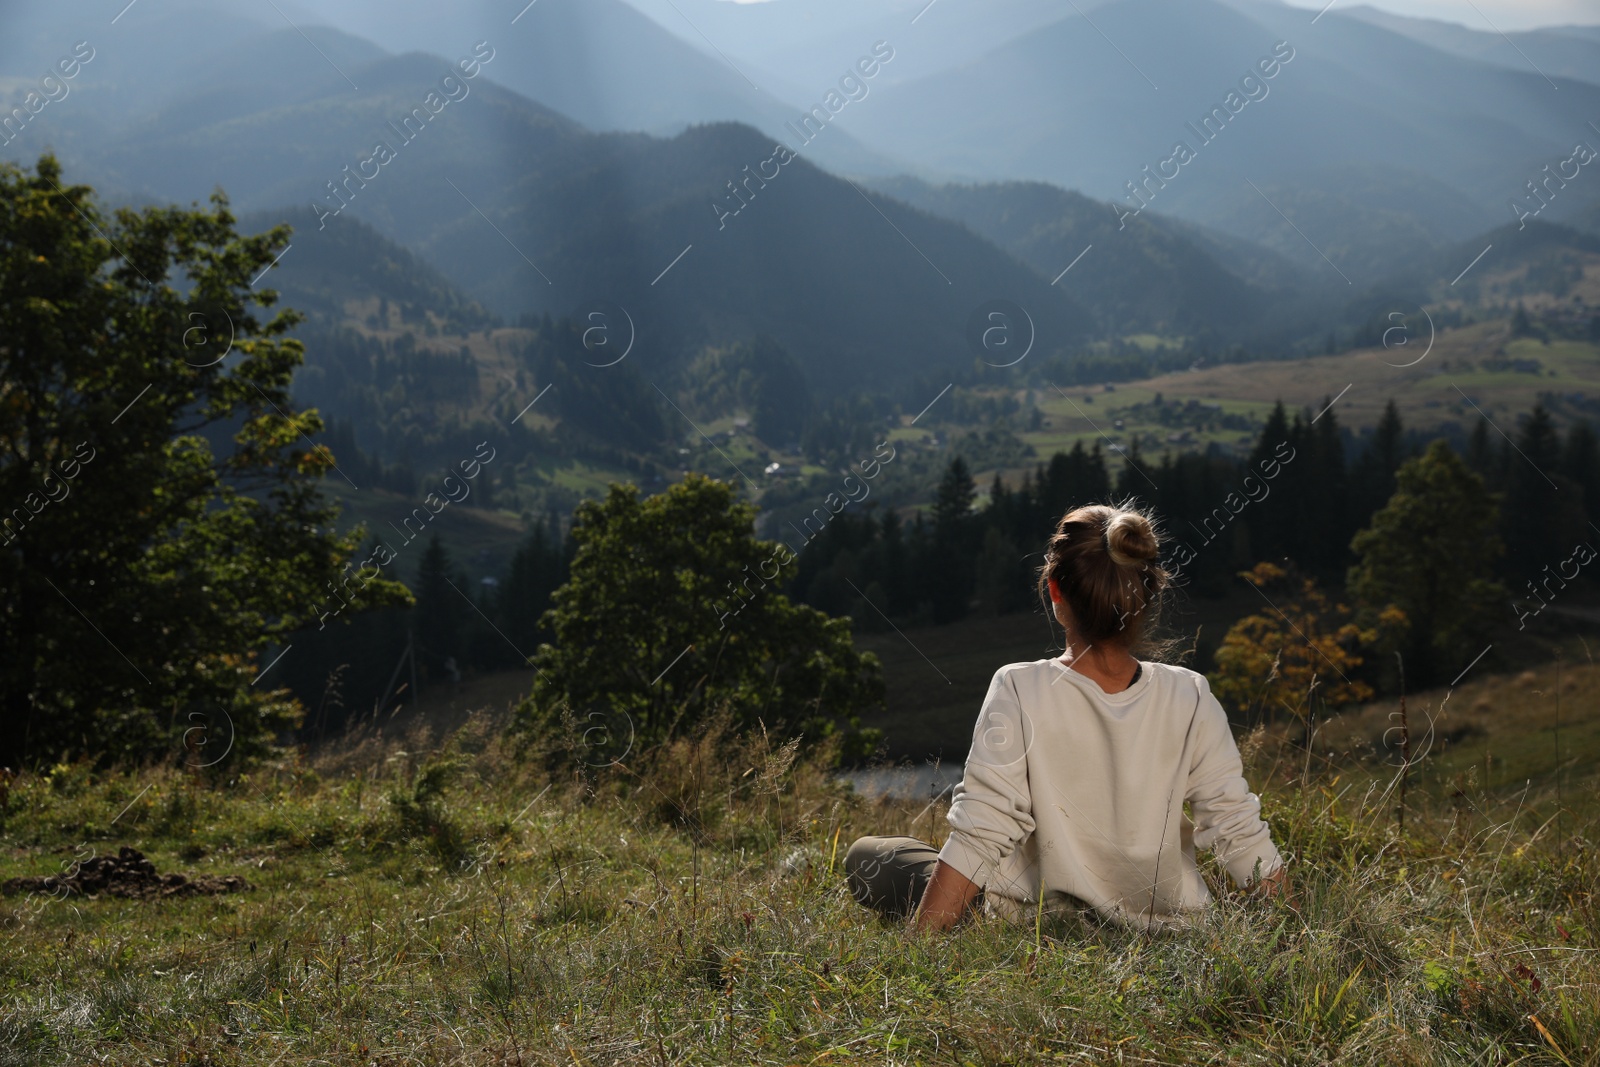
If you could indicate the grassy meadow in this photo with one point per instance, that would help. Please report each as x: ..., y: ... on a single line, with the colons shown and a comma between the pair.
x: 440, y: 900
x: 1503, y: 376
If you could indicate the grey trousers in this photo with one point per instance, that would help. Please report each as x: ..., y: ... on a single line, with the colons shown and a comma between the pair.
x: 889, y: 874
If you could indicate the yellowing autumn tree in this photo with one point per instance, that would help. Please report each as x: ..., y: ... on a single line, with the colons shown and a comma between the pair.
x: 1300, y: 648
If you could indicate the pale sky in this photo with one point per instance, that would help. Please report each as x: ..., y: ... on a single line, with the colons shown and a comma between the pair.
x: 1476, y: 14
x: 1486, y: 15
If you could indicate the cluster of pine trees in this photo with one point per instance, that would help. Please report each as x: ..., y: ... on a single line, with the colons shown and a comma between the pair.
x: 955, y: 560
x: 374, y: 663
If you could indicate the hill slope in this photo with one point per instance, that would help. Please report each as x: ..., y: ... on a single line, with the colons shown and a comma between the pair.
x: 601, y: 62
x: 351, y: 266
x: 1150, y: 275
x: 663, y: 915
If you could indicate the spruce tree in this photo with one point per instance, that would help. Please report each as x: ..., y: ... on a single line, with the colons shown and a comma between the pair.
x: 536, y: 570
x: 1327, y: 522
x: 1280, y: 448
x: 1480, y: 452
x: 1372, y: 477
x: 1520, y: 324
x: 1543, y: 514
x: 1580, y: 463
x: 950, y: 583
x: 440, y: 615
x: 893, y: 570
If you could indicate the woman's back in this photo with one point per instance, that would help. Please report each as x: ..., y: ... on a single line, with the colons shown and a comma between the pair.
x: 1082, y: 792
x: 1074, y: 794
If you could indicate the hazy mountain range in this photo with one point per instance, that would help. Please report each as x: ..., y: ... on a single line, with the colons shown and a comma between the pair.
x: 1567, y: 52
x: 629, y: 154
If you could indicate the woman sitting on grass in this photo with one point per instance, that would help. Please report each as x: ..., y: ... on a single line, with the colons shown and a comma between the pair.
x: 1080, y: 767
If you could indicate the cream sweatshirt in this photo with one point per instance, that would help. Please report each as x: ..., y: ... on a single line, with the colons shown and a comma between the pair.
x: 1082, y: 793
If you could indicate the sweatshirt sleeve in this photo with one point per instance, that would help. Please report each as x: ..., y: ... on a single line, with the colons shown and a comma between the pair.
x: 1227, y: 816
x: 991, y: 809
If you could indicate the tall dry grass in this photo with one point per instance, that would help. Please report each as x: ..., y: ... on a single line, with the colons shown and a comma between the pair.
x: 447, y: 900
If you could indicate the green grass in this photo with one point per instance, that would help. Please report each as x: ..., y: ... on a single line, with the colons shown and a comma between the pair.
x: 587, y: 478
x: 482, y: 539
x: 1074, y: 420
x: 1477, y: 358
x: 1503, y: 735
x: 466, y: 907
x: 1426, y: 393
x: 1151, y: 342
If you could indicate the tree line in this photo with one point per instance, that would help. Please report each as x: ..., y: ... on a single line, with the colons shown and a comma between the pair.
x: 1299, y: 498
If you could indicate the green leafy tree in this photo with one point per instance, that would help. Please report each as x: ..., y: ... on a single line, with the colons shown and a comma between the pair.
x: 1429, y: 552
x: 672, y: 612
x: 161, y: 523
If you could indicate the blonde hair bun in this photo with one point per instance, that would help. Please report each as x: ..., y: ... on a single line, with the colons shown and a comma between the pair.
x: 1130, y: 539
x: 1106, y: 577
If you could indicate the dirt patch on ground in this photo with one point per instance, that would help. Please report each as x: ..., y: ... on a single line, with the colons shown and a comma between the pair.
x: 127, y: 874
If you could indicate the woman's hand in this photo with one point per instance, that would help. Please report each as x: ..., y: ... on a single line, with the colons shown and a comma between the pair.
x: 1275, y: 886
x: 945, y: 900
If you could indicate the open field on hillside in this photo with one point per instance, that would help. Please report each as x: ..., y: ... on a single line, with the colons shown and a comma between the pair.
x: 1540, y: 282
x: 481, y: 540
x: 1479, y: 364
x: 1502, y: 375
x: 410, y: 906
x: 1503, y: 735
x: 1473, y: 369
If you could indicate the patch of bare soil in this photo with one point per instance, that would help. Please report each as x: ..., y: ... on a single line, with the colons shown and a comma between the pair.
x: 128, y: 875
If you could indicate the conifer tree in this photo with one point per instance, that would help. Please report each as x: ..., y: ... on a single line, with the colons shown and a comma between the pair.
x: 1544, y: 511
x: 440, y: 616
x: 950, y: 581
